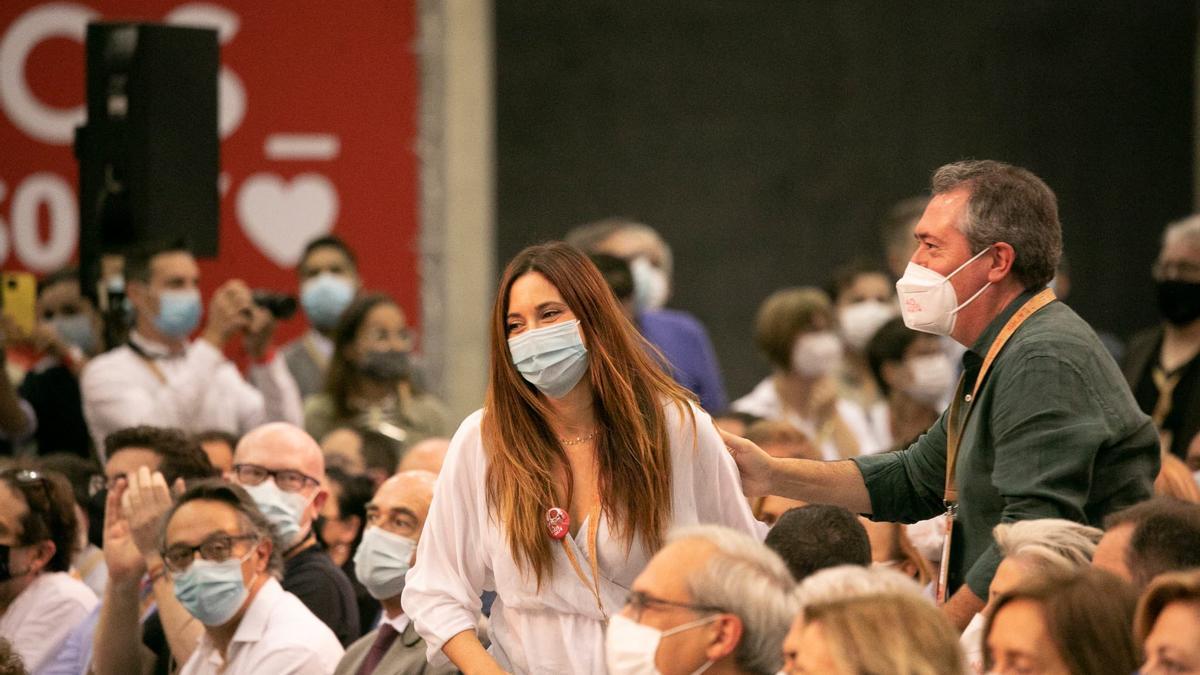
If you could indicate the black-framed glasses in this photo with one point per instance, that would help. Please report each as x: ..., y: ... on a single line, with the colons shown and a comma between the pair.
x: 641, y: 601
x: 216, y: 548
x: 287, y: 480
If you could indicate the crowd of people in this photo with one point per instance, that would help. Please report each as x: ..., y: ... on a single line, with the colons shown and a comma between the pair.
x: 945, y: 469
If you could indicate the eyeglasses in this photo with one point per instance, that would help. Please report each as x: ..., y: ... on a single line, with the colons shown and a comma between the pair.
x: 216, y: 548
x: 640, y: 602
x: 286, y: 479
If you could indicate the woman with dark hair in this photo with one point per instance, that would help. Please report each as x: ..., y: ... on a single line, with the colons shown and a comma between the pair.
x: 557, y: 493
x: 369, y: 384
x: 1079, y: 624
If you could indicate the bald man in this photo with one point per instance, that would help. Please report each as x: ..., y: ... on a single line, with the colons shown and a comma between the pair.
x: 282, y: 468
x: 395, y: 518
x: 427, y: 455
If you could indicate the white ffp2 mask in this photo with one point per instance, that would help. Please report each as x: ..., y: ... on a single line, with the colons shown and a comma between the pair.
x: 817, y: 354
x: 630, y: 647
x: 927, y: 299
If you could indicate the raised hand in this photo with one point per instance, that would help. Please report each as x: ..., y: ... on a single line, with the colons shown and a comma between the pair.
x: 126, y: 564
x: 145, y: 501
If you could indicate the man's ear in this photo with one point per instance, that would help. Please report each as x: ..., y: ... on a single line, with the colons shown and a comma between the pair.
x: 726, y: 636
x: 318, y: 502
x: 1003, y: 258
x: 265, y: 547
x: 43, y: 552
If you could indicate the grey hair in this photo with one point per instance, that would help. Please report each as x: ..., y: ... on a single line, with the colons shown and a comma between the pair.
x: 589, y: 237
x: 1008, y: 204
x: 749, y: 580
x: 1051, y: 544
x: 1187, y: 228
x: 853, y: 581
x: 234, y: 496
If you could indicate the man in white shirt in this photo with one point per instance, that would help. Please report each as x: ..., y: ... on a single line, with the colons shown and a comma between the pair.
x: 39, y: 601
x: 224, y: 562
x: 329, y: 281
x: 161, y: 378
x: 395, y: 518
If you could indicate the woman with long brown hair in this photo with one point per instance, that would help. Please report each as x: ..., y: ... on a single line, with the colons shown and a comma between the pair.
x: 558, y: 492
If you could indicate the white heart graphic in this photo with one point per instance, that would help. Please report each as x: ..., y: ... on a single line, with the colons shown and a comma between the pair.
x: 281, y: 217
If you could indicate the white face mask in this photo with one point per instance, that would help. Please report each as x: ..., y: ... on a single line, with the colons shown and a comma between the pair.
x: 630, y: 647
x: 860, y: 321
x: 931, y: 378
x: 927, y: 299
x: 817, y: 354
x: 650, y: 285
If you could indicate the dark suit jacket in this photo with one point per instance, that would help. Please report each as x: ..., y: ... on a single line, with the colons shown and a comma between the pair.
x: 406, y: 656
x: 1138, y: 360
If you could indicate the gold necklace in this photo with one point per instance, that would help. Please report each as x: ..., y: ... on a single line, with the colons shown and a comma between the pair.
x: 577, y: 441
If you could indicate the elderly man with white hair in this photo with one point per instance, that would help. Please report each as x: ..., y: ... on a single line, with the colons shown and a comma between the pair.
x: 282, y: 468
x: 1031, y: 549
x: 712, y: 600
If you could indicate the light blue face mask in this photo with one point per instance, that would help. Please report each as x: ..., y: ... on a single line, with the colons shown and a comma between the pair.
x: 382, y: 562
x: 284, y: 510
x: 213, y: 592
x: 553, y: 358
x: 178, y: 313
x: 77, y: 330
x: 324, y: 298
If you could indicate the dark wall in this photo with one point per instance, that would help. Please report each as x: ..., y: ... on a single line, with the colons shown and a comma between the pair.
x: 766, y: 139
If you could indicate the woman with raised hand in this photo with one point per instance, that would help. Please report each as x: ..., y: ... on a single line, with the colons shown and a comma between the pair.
x: 558, y: 492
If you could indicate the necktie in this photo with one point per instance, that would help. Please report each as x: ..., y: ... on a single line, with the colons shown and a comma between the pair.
x: 383, y: 642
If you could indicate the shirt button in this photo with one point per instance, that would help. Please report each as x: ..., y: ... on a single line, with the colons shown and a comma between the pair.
x: 967, y: 398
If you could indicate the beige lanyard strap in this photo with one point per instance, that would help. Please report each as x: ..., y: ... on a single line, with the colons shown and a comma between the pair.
x: 955, y: 426
x: 593, y: 559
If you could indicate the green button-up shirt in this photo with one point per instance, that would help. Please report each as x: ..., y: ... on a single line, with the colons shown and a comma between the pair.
x: 1054, y: 433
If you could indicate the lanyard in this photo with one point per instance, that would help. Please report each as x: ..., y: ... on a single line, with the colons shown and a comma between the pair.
x: 149, y: 361
x: 593, y: 559
x: 955, y: 427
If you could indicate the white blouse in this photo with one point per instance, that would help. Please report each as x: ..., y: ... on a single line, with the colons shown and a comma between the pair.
x: 557, y: 629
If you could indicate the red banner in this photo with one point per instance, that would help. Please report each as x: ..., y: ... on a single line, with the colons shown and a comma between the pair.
x: 318, y: 119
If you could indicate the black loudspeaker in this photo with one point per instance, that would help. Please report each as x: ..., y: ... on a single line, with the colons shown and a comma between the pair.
x: 149, y: 152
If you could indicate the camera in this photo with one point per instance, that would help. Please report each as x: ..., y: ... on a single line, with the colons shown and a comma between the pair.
x: 281, y: 305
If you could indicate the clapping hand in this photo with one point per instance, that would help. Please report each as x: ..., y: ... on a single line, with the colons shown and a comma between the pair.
x: 145, y: 501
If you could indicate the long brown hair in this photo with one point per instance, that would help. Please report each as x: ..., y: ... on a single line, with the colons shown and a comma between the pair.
x: 633, y: 452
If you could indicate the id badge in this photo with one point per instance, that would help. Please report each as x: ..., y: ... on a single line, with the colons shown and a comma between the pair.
x: 944, y: 571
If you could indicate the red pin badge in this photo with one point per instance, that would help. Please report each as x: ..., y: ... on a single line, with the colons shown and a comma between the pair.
x: 558, y: 522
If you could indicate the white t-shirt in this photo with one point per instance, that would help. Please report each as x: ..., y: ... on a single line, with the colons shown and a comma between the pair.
x: 42, y: 616
x: 557, y: 629
x: 277, y: 635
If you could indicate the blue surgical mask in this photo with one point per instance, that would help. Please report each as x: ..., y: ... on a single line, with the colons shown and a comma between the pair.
x: 553, y: 358
x: 382, y: 561
x: 178, y: 313
x: 213, y: 592
x: 283, y: 510
x: 324, y: 298
x: 77, y: 330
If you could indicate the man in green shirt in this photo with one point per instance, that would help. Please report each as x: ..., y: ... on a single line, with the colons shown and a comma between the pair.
x: 1052, y: 431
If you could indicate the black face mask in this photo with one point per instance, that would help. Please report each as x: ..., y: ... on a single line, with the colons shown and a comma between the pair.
x: 5, y: 573
x: 388, y: 366
x: 95, y: 510
x: 1179, y: 301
